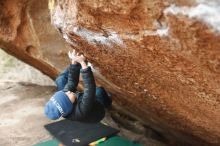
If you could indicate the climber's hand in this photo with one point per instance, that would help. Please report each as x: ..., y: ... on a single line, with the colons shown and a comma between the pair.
x: 71, y: 55
x: 71, y: 95
x: 76, y: 57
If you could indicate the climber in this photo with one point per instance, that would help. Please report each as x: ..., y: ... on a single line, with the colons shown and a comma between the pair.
x: 71, y: 104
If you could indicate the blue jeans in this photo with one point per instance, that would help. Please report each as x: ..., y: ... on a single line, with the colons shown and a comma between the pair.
x: 101, y: 95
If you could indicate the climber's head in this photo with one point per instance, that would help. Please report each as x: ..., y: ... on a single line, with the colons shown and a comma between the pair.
x: 58, y: 105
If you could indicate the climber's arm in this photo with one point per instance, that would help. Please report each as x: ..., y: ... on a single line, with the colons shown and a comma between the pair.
x: 85, y: 104
x: 73, y: 76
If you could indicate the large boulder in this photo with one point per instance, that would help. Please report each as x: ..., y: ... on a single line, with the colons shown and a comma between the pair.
x: 160, y: 59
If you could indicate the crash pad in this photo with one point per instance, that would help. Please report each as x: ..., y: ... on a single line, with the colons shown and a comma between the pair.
x: 76, y: 133
x: 118, y: 141
x: 52, y: 142
x: 112, y: 141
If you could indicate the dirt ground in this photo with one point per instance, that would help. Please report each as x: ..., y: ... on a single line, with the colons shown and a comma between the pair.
x: 22, y: 117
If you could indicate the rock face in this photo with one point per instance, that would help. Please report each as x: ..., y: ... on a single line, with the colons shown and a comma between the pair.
x: 160, y: 59
x: 26, y: 32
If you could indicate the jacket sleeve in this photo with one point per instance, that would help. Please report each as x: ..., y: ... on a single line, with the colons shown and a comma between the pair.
x: 84, y: 106
x: 73, y: 77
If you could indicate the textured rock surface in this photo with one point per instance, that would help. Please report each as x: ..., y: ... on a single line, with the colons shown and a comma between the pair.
x: 26, y: 32
x: 160, y: 59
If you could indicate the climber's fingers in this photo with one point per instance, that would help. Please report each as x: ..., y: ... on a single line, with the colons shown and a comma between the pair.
x: 70, y: 55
